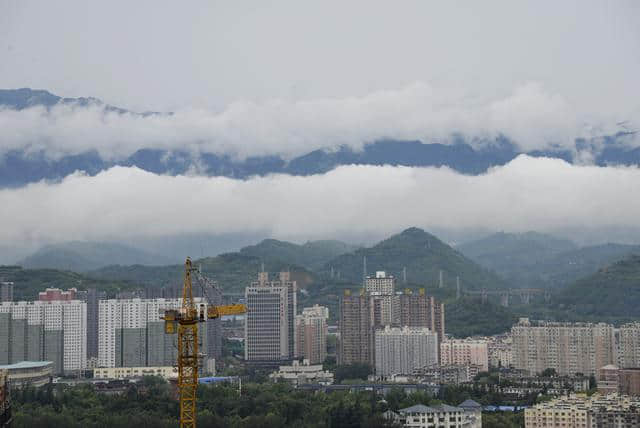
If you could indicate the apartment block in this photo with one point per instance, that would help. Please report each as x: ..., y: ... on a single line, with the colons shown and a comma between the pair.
x: 580, y: 411
x: 629, y: 345
x: 403, y: 350
x: 420, y: 310
x: 464, y: 352
x: 6, y: 291
x: 356, y: 343
x: 569, y: 348
x: 270, y: 321
x: 53, y: 331
x: 131, y: 333
x: 311, y: 331
x: 381, y: 283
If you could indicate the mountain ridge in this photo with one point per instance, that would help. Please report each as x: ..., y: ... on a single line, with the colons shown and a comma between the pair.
x: 20, y: 167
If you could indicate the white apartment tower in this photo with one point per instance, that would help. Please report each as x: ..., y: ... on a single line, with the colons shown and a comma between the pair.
x: 402, y: 350
x: 270, y: 321
x: 131, y: 333
x: 53, y: 331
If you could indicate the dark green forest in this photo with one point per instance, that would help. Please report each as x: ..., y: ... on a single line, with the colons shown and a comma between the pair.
x: 152, y: 403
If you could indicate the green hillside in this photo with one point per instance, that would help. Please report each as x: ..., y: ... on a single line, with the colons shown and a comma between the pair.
x: 468, y: 316
x: 541, y: 261
x: 517, y: 257
x: 423, y: 255
x: 232, y: 271
x: 311, y: 255
x: 29, y: 282
x: 82, y: 256
x: 612, y: 292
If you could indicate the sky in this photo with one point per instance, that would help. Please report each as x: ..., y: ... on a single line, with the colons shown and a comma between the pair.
x: 163, y: 55
x: 287, y: 77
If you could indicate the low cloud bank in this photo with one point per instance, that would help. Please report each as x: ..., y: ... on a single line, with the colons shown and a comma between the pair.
x: 530, y: 116
x: 526, y: 194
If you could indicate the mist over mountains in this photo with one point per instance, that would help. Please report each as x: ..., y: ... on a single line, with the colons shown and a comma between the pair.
x: 49, y: 137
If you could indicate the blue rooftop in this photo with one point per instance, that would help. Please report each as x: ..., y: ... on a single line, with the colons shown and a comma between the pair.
x: 27, y: 365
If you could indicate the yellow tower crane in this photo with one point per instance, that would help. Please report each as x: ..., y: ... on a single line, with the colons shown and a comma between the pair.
x: 186, y: 320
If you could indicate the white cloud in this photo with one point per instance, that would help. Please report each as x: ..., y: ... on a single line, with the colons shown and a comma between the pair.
x: 530, y: 116
x: 526, y: 194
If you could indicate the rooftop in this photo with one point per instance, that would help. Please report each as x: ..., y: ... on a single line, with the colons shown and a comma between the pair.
x: 27, y: 365
x: 421, y: 408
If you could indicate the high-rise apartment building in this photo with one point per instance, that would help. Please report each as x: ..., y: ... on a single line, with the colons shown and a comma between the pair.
x: 420, y: 310
x: 381, y: 283
x: 381, y: 288
x: 464, y: 352
x: 6, y: 291
x: 569, y: 348
x: 311, y: 331
x: 53, y: 331
x: 270, y: 320
x: 629, y: 345
x: 131, y: 333
x: 403, y: 350
x: 356, y: 343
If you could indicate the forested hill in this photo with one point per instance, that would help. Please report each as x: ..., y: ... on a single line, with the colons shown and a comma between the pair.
x: 613, y: 291
x: 423, y: 255
x: 542, y: 261
x: 312, y: 255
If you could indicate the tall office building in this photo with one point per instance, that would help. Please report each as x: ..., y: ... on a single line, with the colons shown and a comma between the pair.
x: 569, y: 348
x: 420, y: 310
x: 53, y: 331
x: 270, y: 321
x: 356, y: 329
x: 464, y: 352
x: 311, y: 331
x: 131, y: 333
x: 402, y: 350
x: 629, y: 345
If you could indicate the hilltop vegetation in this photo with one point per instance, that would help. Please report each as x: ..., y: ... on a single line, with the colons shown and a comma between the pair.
x: 80, y: 256
x: 613, y: 291
x: 311, y: 255
x: 534, y: 260
x: 423, y: 255
x: 28, y: 282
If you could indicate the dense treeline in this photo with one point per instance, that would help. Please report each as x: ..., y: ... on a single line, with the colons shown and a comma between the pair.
x: 152, y: 403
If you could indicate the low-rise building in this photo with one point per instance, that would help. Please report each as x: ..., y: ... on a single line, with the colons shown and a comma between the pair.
x: 167, y: 372
x: 301, y: 374
x: 580, y: 411
x: 452, y: 374
x: 34, y: 373
x: 472, y: 414
x: 612, y: 379
x: 440, y: 416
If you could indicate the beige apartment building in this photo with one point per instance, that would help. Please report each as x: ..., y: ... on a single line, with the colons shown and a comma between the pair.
x: 569, y: 348
x: 464, y: 352
x: 629, y: 345
x: 580, y: 411
x: 311, y: 332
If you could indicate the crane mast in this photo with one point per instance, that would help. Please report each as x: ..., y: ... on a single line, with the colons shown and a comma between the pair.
x: 186, y: 320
